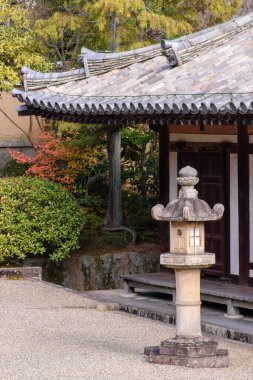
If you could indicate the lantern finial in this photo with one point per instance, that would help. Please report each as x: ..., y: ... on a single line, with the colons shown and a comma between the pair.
x: 187, y: 180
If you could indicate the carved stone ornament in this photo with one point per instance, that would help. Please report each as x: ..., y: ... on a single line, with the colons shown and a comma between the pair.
x: 188, y: 207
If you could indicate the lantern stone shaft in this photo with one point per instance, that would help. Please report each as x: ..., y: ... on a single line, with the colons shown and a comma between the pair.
x: 187, y: 257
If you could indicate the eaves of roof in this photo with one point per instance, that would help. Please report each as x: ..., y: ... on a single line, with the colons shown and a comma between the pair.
x: 213, y: 77
x: 152, y: 110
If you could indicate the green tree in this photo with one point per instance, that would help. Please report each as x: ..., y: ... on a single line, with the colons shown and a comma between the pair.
x: 133, y: 23
x: 64, y: 26
x: 125, y: 24
x: 63, y: 30
x: 18, y: 45
x: 197, y: 14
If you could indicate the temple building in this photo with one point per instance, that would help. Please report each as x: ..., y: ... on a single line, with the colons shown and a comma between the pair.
x: 196, y: 91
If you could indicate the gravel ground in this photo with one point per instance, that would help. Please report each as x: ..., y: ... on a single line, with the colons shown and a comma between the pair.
x: 48, y: 333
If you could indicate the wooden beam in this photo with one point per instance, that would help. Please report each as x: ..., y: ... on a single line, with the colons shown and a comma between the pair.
x: 164, y: 183
x: 227, y: 259
x: 243, y: 201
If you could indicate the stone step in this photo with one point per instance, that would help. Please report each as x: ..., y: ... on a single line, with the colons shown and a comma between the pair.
x: 220, y: 360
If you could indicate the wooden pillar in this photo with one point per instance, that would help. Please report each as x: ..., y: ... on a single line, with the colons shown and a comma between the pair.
x: 243, y: 201
x: 164, y: 184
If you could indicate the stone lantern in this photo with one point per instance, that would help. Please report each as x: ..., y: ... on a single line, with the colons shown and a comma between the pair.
x: 187, y: 256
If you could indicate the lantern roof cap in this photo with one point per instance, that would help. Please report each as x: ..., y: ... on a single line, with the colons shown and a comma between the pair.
x: 188, y: 207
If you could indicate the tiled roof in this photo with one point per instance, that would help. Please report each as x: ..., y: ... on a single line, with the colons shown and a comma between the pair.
x: 208, y: 73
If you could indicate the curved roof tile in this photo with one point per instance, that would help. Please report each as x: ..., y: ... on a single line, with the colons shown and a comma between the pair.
x: 215, y: 78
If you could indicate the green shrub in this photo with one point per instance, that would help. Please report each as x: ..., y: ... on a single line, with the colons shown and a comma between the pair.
x: 37, y: 217
x: 14, y: 169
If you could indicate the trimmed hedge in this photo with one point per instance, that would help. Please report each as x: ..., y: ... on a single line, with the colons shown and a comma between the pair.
x: 37, y: 217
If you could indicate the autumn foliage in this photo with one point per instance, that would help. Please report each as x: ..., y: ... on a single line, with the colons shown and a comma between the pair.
x: 57, y: 162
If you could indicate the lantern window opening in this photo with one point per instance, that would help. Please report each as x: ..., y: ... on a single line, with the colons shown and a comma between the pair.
x: 195, y: 236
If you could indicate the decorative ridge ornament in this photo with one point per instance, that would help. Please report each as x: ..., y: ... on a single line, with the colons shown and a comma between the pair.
x: 188, y: 207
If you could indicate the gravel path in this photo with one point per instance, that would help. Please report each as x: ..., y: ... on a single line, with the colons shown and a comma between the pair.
x: 48, y: 333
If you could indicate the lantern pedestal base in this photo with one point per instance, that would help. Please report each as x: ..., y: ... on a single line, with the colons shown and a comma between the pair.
x: 190, y: 352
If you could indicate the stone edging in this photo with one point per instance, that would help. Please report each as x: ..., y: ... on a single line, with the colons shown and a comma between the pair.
x: 26, y: 272
x: 207, y: 328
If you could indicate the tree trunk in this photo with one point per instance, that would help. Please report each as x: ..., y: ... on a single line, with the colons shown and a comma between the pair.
x: 114, y: 209
x: 114, y: 40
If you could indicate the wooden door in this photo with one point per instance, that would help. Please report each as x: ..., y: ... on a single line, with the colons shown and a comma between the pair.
x: 211, y: 167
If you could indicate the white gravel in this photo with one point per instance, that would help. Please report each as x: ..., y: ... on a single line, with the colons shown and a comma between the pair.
x: 50, y: 333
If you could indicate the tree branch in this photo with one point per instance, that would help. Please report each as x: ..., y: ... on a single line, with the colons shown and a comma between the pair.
x: 75, y: 48
x: 28, y: 136
x: 123, y: 228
